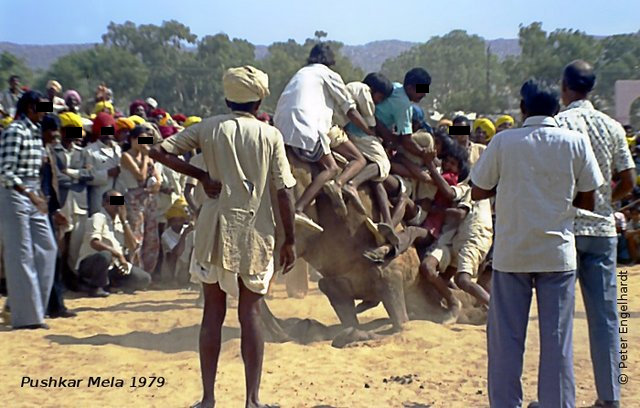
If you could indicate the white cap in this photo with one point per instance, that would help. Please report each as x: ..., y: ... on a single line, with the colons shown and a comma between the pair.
x: 152, y: 102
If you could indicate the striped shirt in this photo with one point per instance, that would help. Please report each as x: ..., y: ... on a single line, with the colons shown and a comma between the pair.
x: 21, y: 152
x: 612, y: 153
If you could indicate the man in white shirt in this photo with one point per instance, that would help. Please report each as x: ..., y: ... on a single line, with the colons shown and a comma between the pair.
x: 102, y: 261
x: 595, y: 231
x: 9, y: 98
x: 538, y: 174
x: 304, y: 117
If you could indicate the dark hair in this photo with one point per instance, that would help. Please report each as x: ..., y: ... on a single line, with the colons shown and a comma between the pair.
x: 417, y: 76
x: 137, y: 131
x: 322, y: 54
x: 12, y: 77
x: 379, y: 83
x: 50, y: 122
x: 456, y: 152
x: 461, y: 121
x: 29, y: 98
x: 243, y: 107
x: 579, y: 76
x: 445, y: 140
x: 539, y: 99
x: 107, y: 194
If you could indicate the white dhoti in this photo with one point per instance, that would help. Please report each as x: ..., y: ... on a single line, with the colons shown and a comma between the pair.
x: 228, y: 281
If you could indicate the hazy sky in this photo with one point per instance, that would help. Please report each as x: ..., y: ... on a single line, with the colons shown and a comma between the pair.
x: 349, y: 21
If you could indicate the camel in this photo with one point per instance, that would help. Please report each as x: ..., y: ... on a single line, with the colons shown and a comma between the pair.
x: 347, y: 276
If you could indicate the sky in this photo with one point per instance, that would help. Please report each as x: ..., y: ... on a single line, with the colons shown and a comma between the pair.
x: 349, y: 21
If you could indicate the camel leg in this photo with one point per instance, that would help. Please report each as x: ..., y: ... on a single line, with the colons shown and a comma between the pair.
x: 338, y: 290
x: 391, y: 291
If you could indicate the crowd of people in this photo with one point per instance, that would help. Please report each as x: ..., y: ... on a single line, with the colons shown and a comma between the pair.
x: 105, y: 201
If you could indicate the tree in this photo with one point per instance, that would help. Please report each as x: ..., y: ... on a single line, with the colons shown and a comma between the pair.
x: 12, y: 65
x: 620, y: 59
x: 85, y: 70
x: 457, y: 63
x: 319, y: 35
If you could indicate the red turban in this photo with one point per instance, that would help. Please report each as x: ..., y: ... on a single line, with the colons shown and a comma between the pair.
x: 179, y: 117
x: 158, y: 112
x: 135, y: 105
x: 167, y: 131
x: 102, y: 119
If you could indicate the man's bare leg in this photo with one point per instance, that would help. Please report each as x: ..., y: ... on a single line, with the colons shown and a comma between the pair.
x: 464, y: 282
x: 251, y: 343
x: 215, y: 308
x: 329, y: 169
x: 428, y: 268
x: 355, y: 165
x: 369, y: 172
x: 383, y: 202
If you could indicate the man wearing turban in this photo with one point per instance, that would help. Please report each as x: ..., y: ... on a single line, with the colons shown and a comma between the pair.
x: 504, y: 122
x: 53, y: 90
x: 483, y: 130
x: 235, y: 235
x: 103, y: 157
x: 104, y: 106
x: 72, y: 100
x: 139, y: 108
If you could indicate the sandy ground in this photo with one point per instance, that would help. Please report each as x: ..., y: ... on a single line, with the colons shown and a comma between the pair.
x: 155, y: 334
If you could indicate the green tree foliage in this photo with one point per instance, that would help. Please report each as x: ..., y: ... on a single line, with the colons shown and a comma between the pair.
x: 84, y: 71
x: 12, y: 65
x: 458, y: 64
x: 620, y: 59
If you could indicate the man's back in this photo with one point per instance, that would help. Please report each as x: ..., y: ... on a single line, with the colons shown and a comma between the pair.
x: 538, y: 170
x: 305, y: 107
x: 245, y: 154
x: 607, y: 138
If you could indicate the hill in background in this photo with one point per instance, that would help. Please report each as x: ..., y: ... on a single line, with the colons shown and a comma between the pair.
x: 369, y: 57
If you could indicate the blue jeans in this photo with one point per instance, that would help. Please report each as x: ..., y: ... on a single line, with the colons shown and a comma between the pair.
x: 597, y: 277
x: 506, y: 334
x: 29, y: 256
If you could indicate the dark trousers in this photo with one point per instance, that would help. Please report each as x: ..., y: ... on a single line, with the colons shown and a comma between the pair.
x: 56, y: 299
x: 96, y: 271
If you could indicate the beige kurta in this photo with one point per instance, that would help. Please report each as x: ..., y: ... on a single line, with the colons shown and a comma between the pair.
x: 236, y: 232
x: 361, y: 95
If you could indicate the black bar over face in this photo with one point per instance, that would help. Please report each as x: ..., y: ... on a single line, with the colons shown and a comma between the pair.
x: 422, y: 88
x: 74, y: 132
x: 44, y: 107
x: 107, y: 131
x: 459, y: 130
x: 145, y: 140
x: 116, y: 200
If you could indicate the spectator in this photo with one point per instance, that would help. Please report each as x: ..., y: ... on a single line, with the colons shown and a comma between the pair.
x: 102, y: 262
x: 9, y: 98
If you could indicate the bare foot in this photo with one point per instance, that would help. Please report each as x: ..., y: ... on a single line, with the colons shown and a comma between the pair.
x: 334, y: 192
x: 204, y: 404
x: 354, y: 197
x: 378, y: 254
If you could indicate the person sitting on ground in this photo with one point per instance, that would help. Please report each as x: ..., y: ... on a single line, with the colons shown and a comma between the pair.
x: 304, y: 114
x: 102, y: 262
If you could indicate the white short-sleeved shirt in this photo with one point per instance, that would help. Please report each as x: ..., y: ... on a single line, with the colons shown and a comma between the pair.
x: 538, y: 170
x: 305, y: 109
x: 610, y: 147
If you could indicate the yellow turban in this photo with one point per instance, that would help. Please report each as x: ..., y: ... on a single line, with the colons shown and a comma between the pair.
x: 192, y: 120
x: 102, y: 105
x: 138, y: 120
x: 505, y: 119
x: 178, y: 209
x: 55, y: 85
x: 166, y: 121
x: 6, y: 121
x: 631, y: 140
x: 124, y: 123
x: 70, y: 119
x: 245, y: 84
x: 486, y: 125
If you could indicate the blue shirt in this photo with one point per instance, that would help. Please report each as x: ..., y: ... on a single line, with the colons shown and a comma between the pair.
x: 395, y: 111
